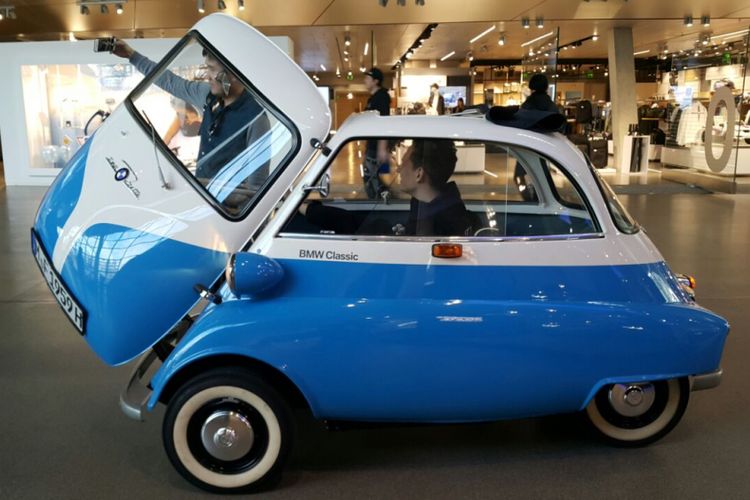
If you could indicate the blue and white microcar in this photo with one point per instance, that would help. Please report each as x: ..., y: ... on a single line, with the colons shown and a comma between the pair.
x: 181, y: 232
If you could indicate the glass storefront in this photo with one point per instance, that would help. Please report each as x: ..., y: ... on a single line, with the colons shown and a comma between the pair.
x: 60, y: 100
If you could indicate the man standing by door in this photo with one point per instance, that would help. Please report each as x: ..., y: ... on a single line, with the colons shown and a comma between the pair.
x: 376, y: 153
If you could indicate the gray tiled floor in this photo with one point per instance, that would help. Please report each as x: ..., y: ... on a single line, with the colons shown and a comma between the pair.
x: 63, y: 436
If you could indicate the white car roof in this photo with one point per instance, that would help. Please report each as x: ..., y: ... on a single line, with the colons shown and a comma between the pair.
x: 465, y: 127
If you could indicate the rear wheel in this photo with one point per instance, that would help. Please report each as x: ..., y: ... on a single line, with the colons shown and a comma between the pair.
x: 228, y: 431
x: 639, y: 413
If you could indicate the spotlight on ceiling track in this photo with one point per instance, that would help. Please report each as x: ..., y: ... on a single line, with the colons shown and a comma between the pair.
x: 241, y: 4
x: 104, y: 8
x: 706, y: 21
x: 525, y: 23
x: 540, y: 22
x: 85, y: 10
x: 119, y: 9
x: 383, y: 3
x: 402, y: 3
x: 595, y: 36
x: 201, y: 6
x: 501, y: 39
x: 347, y: 40
x: 222, y: 5
x: 419, y: 3
x: 689, y: 21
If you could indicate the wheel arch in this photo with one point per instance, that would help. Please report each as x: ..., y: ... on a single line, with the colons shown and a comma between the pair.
x: 277, y: 379
x: 628, y: 379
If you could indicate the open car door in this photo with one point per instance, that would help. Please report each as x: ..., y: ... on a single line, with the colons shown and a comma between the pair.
x: 176, y: 179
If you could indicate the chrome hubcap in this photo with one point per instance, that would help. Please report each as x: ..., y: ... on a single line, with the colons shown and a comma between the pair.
x: 227, y: 435
x: 632, y: 400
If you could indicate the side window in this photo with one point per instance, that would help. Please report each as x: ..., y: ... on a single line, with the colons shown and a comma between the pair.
x: 443, y: 188
x: 215, y: 126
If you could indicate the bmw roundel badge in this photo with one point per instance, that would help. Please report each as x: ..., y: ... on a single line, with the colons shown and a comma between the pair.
x: 122, y: 174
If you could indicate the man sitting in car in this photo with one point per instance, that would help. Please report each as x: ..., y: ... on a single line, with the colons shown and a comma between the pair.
x: 436, y: 207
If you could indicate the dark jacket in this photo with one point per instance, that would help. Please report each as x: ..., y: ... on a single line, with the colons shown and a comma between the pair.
x: 539, y: 101
x: 446, y: 215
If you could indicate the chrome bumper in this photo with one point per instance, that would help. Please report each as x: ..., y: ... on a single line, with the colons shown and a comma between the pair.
x: 705, y: 380
x: 134, y: 397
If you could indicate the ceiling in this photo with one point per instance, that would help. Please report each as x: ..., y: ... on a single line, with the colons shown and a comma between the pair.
x: 315, y: 25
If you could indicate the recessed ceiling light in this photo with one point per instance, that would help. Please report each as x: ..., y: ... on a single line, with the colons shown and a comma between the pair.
x: 540, y: 22
x: 446, y: 56
x: 537, y: 39
x: 488, y: 30
x: 689, y: 21
x: 501, y: 39
x: 706, y: 21
x: 525, y: 23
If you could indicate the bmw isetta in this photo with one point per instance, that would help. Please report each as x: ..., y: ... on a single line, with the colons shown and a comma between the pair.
x: 241, y: 304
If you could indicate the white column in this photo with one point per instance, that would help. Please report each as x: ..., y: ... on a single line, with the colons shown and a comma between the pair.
x: 621, y: 86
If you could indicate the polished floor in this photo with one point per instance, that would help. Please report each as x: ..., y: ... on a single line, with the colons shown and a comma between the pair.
x: 62, y: 434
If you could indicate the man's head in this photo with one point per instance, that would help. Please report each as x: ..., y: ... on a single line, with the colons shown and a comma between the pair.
x: 223, y: 82
x: 428, y: 163
x: 434, y: 87
x: 538, y: 83
x: 373, y: 79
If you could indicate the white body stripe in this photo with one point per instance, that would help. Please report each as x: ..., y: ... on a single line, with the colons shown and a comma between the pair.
x: 614, y: 250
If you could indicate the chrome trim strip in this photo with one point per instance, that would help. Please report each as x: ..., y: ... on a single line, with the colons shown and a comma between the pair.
x: 136, y: 394
x: 431, y: 239
x: 704, y: 381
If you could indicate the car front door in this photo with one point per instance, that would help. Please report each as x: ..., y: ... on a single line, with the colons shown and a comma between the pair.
x: 176, y: 179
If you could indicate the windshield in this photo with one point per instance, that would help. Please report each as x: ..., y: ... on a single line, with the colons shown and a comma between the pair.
x: 623, y: 220
x: 214, y: 125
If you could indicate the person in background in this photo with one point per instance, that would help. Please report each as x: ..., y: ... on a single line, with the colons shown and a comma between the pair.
x: 436, y: 104
x: 539, y: 99
x: 459, y: 105
x: 376, y: 153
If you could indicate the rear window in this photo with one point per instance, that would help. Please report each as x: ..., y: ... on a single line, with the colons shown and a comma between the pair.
x: 215, y: 126
x: 622, y: 219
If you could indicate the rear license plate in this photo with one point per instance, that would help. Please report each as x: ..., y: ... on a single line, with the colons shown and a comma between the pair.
x: 72, y: 309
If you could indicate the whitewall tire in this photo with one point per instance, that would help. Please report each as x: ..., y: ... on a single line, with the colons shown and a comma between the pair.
x: 228, y: 431
x: 639, y: 413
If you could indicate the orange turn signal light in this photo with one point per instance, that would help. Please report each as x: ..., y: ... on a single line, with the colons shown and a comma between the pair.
x: 447, y: 250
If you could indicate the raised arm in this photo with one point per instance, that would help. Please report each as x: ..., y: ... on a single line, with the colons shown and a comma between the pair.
x: 194, y: 93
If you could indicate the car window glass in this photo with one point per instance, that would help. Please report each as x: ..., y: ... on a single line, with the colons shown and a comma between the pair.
x: 491, y: 190
x: 214, y: 125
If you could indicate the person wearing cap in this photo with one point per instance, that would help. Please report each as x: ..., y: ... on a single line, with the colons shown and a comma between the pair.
x: 376, y: 153
x: 539, y: 99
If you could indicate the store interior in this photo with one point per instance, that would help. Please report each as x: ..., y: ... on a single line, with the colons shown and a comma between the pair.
x: 483, y: 56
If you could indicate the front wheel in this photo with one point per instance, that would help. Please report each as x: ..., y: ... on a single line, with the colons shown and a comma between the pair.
x: 639, y: 413
x: 228, y: 431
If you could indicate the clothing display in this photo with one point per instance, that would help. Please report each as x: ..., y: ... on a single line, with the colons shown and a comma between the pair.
x: 691, y: 124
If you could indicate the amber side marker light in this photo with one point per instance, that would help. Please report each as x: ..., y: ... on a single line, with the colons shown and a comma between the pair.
x: 447, y: 250
x: 688, y: 283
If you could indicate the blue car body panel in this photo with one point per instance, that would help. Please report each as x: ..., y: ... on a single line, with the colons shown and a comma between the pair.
x: 424, y: 343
